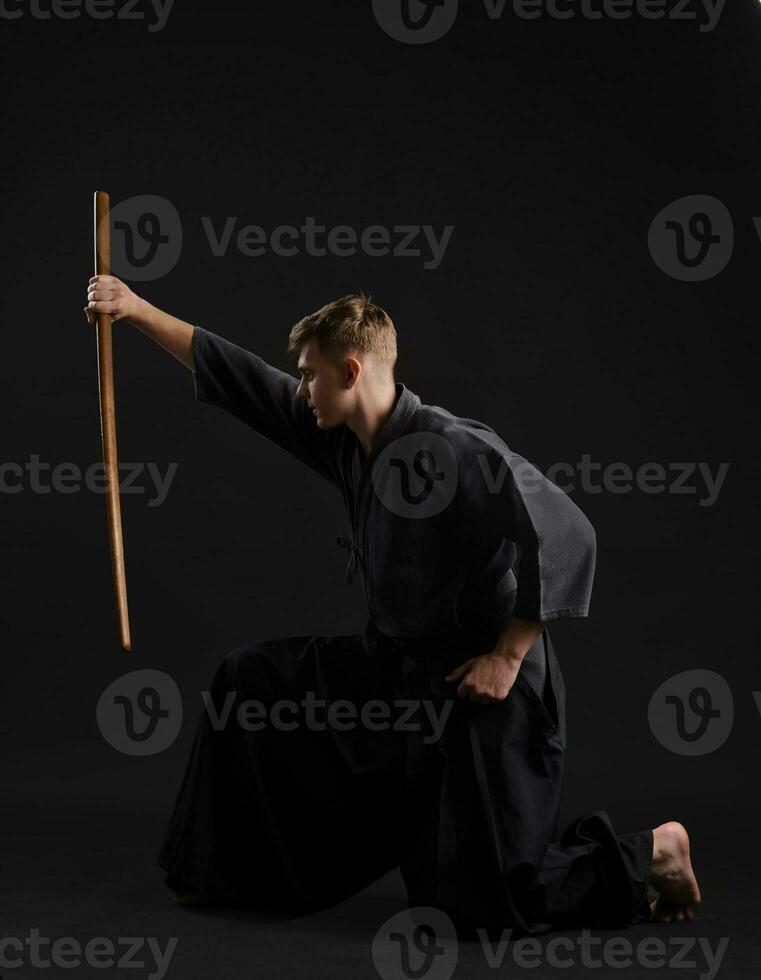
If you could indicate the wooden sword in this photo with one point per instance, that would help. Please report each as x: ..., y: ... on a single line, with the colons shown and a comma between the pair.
x: 108, y: 418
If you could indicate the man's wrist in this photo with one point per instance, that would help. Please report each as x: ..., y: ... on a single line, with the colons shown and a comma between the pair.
x: 508, y: 650
x: 518, y: 638
x: 141, y: 314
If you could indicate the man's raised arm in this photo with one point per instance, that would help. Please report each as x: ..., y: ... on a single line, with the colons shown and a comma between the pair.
x: 107, y: 294
x: 226, y: 375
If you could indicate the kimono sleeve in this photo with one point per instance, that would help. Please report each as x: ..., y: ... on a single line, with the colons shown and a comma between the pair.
x: 262, y: 396
x: 557, y: 544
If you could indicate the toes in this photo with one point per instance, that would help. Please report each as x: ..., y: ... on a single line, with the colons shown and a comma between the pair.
x: 664, y: 913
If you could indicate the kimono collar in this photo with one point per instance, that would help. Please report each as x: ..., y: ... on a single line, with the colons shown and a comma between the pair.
x: 407, y: 403
x: 405, y: 406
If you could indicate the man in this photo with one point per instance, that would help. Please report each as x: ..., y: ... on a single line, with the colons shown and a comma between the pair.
x: 466, y: 552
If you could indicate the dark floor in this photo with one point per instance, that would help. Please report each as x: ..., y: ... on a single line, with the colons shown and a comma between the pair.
x: 79, y: 838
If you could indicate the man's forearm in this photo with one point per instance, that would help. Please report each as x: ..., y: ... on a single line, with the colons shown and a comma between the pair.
x: 174, y: 335
x: 518, y: 638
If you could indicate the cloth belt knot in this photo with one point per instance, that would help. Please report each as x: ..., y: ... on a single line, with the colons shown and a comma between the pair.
x: 354, y: 559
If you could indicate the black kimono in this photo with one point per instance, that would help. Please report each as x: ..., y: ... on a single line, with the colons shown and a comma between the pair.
x: 452, y: 534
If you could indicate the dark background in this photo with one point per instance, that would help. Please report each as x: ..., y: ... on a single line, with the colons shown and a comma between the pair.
x: 550, y: 146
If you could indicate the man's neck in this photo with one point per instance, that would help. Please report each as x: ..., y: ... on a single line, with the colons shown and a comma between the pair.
x: 370, y: 416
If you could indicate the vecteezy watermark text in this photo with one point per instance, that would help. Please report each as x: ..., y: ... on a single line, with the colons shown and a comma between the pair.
x: 424, y: 21
x: 678, y: 10
x: 401, y: 241
x: 148, y: 237
x: 421, y: 942
x: 650, y: 477
x: 417, y: 475
x: 100, y: 953
x: 127, y: 10
x: 141, y: 712
x: 341, y: 715
x: 652, y: 952
x: 68, y: 478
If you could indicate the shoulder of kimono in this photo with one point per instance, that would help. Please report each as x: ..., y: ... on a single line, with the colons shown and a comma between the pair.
x: 464, y: 434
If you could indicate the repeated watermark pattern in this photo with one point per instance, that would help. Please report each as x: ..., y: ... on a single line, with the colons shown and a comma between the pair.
x: 154, y: 14
x: 343, y: 715
x: 147, y: 237
x: 342, y: 241
x: 100, y: 953
x: 692, y: 713
x: 43, y: 477
x: 420, y: 943
x: 425, y: 21
x: 141, y: 713
x: 694, y: 479
x: 416, y: 476
x: 692, y: 238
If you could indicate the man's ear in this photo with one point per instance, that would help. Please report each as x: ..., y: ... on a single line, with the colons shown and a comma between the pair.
x: 352, y: 369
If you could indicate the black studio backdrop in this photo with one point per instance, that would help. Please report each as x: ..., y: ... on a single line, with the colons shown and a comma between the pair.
x: 548, y: 147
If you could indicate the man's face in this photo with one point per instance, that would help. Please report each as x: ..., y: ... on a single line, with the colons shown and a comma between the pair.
x: 322, y: 386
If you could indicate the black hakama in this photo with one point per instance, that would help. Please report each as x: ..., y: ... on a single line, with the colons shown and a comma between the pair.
x: 294, y: 817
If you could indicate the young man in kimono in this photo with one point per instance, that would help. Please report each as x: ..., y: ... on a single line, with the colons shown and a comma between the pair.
x: 466, y: 552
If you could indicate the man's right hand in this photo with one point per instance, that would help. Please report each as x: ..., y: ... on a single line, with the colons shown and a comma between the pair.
x: 107, y: 294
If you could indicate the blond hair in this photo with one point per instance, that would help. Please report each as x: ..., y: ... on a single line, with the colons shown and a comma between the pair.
x: 349, y: 325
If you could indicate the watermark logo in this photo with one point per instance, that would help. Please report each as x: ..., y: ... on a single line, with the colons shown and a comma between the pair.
x: 418, y: 943
x: 147, y: 238
x: 140, y: 713
x: 416, y: 476
x: 692, y: 713
x: 415, y: 21
x: 692, y: 239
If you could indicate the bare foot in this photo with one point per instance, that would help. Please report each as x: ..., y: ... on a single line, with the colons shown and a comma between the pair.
x: 672, y: 875
x: 188, y: 898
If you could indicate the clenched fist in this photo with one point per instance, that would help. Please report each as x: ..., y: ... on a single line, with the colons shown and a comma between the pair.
x: 487, y: 678
x: 107, y: 294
